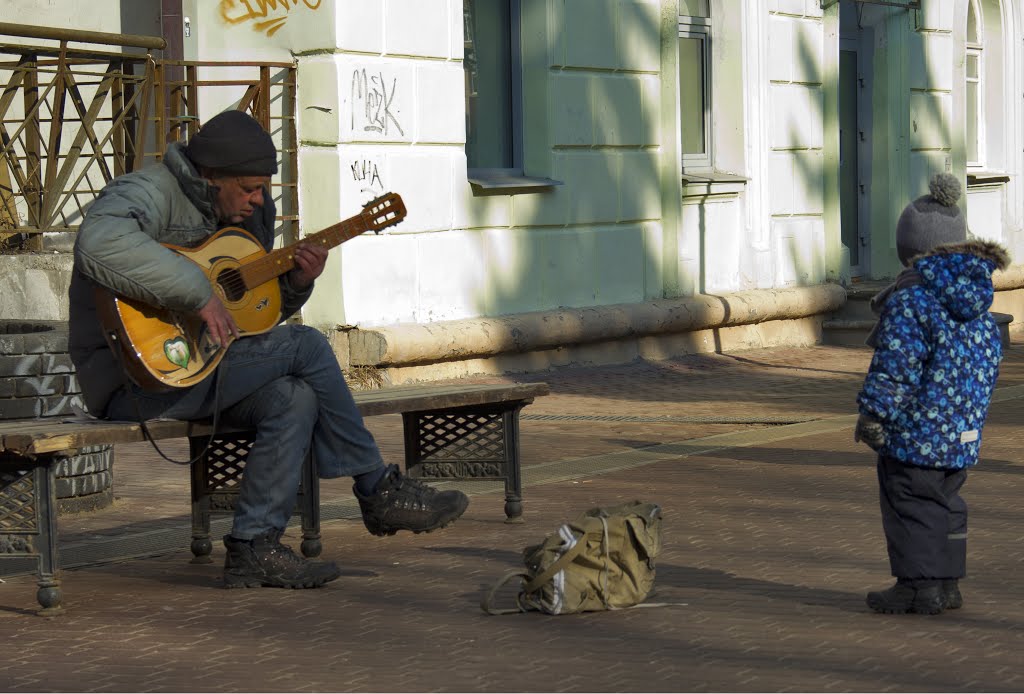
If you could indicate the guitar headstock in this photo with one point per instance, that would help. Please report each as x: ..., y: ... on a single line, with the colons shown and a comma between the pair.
x: 383, y: 212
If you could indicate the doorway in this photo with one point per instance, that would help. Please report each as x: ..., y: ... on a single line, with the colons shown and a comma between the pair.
x: 854, y: 142
x: 849, y: 162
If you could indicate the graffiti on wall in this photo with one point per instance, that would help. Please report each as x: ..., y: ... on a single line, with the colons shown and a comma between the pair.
x: 371, y: 103
x: 365, y: 173
x: 262, y: 15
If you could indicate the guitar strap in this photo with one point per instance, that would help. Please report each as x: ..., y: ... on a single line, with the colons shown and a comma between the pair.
x: 142, y: 420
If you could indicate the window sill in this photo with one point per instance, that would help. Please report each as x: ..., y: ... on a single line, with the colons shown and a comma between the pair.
x: 713, y: 184
x: 986, y: 178
x: 505, y: 182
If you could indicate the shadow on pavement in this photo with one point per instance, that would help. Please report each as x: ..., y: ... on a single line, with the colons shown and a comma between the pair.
x: 696, y: 578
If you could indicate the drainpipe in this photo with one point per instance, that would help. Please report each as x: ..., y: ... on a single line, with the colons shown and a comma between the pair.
x: 171, y: 30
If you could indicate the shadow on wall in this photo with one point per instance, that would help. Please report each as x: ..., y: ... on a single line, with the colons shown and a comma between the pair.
x: 583, y: 244
x: 803, y: 255
x: 600, y: 254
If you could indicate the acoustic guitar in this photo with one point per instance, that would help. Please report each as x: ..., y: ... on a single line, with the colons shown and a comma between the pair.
x: 162, y: 349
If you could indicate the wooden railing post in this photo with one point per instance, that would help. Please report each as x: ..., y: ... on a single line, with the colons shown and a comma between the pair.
x: 160, y: 110
x: 118, y: 141
x: 33, y: 163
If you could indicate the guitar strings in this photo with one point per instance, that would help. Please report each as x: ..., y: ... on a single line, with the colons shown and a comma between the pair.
x: 232, y: 280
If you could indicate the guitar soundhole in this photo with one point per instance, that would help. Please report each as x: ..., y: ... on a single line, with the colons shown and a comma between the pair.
x: 230, y: 281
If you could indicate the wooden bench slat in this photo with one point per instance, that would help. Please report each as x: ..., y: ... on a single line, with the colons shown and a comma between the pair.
x: 35, y: 437
x: 61, y: 435
x: 420, y: 398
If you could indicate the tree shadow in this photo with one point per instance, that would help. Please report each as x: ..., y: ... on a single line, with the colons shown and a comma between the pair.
x: 683, y: 578
x: 706, y: 382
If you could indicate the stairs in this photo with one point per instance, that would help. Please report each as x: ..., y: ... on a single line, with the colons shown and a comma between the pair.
x: 851, y: 325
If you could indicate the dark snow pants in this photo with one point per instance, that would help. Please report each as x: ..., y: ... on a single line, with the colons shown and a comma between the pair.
x: 924, y: 518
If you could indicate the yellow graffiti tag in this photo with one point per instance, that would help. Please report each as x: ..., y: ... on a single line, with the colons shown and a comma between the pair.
x: 266, y: 16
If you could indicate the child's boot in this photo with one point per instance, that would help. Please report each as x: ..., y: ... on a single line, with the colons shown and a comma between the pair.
x: 921, y: 597
x: 951, y: 597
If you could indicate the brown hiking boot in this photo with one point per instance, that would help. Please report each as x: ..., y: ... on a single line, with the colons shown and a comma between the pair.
x: 403, y: 503
x: 264, y: 561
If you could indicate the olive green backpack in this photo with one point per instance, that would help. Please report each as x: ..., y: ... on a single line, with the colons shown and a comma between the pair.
x: 603, y: 560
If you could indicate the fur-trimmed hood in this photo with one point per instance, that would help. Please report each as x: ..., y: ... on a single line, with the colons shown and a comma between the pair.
x: 959, y: 275
x: 986, y: 250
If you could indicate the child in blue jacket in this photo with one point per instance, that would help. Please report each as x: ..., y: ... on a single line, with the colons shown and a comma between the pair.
x: 926, y: 396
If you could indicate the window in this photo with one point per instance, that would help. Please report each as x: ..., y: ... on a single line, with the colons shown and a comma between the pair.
x: 975, y: 88
x: 493, y: 86
x: 695, y: 84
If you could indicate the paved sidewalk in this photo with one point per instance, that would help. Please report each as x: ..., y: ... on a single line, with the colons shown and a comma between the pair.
x: 772, y: 536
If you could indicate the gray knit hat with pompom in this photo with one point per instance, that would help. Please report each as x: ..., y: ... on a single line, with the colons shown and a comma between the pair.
x: 932, y: 220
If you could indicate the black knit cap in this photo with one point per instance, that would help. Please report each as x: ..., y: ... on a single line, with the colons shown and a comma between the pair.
x: 234, y: 142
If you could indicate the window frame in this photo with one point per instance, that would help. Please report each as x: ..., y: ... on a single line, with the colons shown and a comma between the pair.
x: 976, y: 49
x: 510, y: 179
x: 691, y: 27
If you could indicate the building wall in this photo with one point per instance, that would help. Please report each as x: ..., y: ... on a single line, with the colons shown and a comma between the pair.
x: 592, y: 100
x: 796, y: 142
x: 101, y: 15
x: 996, y: 200
x: 919, y: 120
x: 381, y: 108
x: 595, y: 99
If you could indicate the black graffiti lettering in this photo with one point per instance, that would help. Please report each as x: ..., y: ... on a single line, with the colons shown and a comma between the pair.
x: 365, y: 171
x: 371, y: 99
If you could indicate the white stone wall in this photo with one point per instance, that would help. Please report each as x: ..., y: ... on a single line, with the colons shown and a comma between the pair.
x: 985, y: 212
x: 930, y: 76
x: 86, y: 15
x: 795, y: 168
x: 383, y: 110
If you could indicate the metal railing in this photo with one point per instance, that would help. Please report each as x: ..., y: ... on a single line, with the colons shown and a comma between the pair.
x: 73, y: 118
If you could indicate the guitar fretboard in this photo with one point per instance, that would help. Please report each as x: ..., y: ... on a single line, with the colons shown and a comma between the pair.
x: 281, y: 260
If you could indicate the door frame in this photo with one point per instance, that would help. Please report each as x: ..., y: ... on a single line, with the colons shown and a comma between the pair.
x: 856, y: 44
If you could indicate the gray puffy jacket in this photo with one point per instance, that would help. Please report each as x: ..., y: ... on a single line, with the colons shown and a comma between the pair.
x: 119, y: 247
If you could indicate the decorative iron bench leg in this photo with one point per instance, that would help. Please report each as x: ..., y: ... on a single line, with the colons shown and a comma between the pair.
x: 475, y: 442
x: 216, y: 483
x: 201, y: 547
x: 28, y: 522
x: 309, y: 507
x: 513, y: 474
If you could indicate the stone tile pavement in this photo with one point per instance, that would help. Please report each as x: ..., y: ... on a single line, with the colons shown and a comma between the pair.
x: 772, y: 537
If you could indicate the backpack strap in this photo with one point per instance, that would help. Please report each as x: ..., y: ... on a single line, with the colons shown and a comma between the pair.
x: 531, y: 584
x: 485, y: 604
x: 534, y: 584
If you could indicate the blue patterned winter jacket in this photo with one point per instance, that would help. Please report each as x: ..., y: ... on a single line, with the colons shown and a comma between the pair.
x: 937, y: 353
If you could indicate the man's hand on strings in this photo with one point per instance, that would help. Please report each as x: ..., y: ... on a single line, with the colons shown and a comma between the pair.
x: 309, y: 264
x: 219, y: 322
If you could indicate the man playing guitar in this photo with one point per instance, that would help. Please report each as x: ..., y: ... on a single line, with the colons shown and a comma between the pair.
x: 283, y: 383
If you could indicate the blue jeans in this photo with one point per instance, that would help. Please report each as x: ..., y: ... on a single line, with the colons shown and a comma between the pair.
x: 287, y: 386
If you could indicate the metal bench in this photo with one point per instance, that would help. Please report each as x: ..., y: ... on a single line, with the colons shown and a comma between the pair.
x: 451, y: 432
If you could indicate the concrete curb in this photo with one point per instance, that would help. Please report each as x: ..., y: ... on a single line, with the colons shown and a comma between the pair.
x: 414, y: 343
